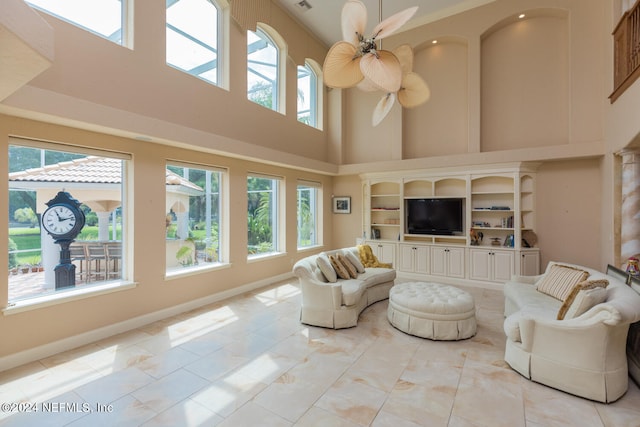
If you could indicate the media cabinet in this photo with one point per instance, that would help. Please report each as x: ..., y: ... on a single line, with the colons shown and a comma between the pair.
x: 499, y: 204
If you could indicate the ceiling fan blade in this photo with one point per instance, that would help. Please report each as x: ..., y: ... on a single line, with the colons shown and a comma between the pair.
x: 383, y: 70
x: 354, y: 20
x: 404, y: 53
x: 392, y: 23
x: 367, y: 85
x: 414, y: 91
x: 341, y: 67
x: 382, y: 108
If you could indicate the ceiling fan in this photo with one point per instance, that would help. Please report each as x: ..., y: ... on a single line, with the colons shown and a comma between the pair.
x: 358, y: 61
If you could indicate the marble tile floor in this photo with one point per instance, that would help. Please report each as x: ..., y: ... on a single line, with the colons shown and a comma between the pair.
x: 247, y: 361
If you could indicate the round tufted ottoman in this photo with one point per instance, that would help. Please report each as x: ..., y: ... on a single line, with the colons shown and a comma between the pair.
x: 432, y: 310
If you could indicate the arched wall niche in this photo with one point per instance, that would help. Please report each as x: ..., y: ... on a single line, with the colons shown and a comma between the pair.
x: 440, y: 126
x: 525, y: 81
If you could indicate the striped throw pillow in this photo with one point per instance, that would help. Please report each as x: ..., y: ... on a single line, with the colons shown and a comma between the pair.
x: 560, y: 281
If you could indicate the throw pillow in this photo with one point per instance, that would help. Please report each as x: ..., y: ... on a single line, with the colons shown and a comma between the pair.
x: 324, y: 264
x: 354, y: 260
x: 353, y: 273
x: 583, y: 296
x: 560, y: 280
x: 339, y: 268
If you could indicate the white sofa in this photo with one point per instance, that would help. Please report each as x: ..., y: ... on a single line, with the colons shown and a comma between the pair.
x: 584, y: 355
x: 338, y: 305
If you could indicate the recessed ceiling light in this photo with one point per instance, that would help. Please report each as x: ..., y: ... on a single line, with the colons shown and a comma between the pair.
x: 434, y: 41
x: 522, y: 15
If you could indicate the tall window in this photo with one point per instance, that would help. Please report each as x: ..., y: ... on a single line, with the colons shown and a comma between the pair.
x: 262, y: 215
x: 262, y: 70
x: 102, y: 17
x: 193, y: 31
x: 308, y: 214
x: 38, y: 173
x: 194, y: 217
x: 307, y: 96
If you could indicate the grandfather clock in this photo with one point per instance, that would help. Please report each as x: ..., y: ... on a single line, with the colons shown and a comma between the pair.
x: 63, y: 220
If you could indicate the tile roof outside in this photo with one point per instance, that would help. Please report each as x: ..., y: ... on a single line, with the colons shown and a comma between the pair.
x: 92, y: 170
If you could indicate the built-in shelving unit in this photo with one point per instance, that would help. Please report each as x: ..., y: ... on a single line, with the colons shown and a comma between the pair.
x: 499, y: 206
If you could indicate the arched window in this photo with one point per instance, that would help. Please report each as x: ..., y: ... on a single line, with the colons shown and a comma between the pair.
x: 263, y: 70
x: 194, y: 29
x: 309, y: 99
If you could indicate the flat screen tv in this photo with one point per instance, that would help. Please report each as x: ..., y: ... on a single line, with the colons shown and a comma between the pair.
x: 440, y: 216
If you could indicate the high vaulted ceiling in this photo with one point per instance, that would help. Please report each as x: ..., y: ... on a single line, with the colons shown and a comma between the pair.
x: 323, y: 16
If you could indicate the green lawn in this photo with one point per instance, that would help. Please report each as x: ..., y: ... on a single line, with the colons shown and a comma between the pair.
x: 29, y: 238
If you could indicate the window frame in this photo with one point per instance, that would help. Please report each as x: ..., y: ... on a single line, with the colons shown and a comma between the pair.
x: 277, y: 215
x: 315, y: 94
x: 126, y: 23
x: 278, y: 92
x: 315, y: 208
x: 219, y: 49
x: 126, y: 266
x: 223, y: 234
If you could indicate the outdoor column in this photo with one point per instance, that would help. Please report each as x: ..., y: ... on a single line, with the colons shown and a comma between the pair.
x: 183, y: 225
x: 50, y: 258
x: 630, y: 212
x: 103, y: 226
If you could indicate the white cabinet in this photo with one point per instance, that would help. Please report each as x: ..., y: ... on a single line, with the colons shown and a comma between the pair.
x: 491, y: 265
x: 498, y: 212
x: 413, y: 258
x: 529, y: 263
x: 384, y: 251
x: 447, y: 261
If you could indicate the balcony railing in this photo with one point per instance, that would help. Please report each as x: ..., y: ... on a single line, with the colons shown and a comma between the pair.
x: 626, y: 51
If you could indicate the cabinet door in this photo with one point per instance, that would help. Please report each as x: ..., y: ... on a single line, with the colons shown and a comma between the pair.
x: 480, y: 264
x: 406, y: 258
x: 387, y: 253
x: 530, y: 263
x: 421, y: 261
x: 455, y: 262
x: 503, y: 266
x: 438, y: 261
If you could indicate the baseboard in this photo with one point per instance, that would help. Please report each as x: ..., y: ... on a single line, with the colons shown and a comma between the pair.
x: 47, y: 350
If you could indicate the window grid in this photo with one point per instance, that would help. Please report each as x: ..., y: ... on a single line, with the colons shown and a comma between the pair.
x: 194, y: 217
x: 262, y: 215
x: 192, y: 33
x: 307, y: 216
x: 307, y: 96
x: 96, y: 254
x: 105, y: 18
x: 262, y: 70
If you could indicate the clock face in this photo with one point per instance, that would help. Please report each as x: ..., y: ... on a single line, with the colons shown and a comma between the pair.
x: 59, y: 220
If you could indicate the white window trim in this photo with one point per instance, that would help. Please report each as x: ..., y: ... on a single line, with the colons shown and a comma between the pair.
x: 36, y: 303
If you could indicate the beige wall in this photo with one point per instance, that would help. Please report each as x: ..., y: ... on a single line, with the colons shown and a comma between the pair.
x: 147, y: 226
x: 440, y: 126
x: 97, y: 83
x: 568, y: 202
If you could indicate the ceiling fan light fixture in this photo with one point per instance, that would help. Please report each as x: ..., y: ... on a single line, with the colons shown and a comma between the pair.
x: 358, y: 61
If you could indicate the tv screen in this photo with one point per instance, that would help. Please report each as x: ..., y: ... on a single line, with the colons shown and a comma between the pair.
x: 443, y: 216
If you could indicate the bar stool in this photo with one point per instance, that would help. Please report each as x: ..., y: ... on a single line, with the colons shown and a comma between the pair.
x: 78, y: 253
x: 114, y: 259
x: 96, y: 254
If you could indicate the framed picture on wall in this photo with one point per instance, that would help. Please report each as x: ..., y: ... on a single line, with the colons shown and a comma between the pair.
x: 342, y: 205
